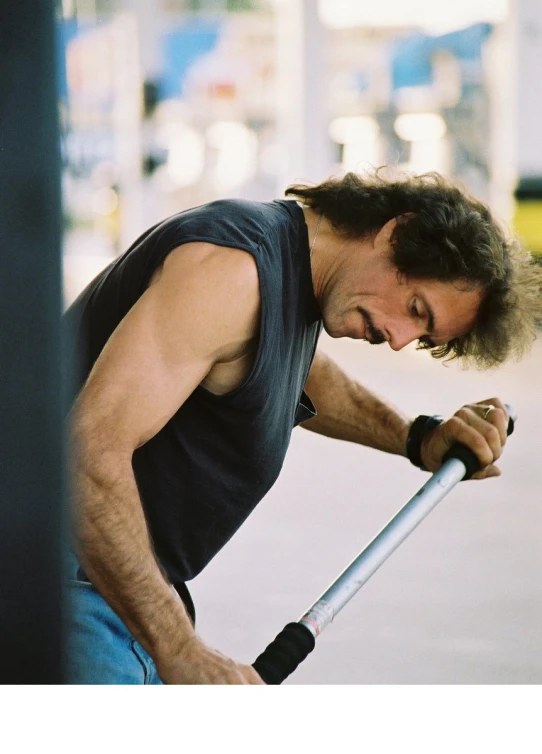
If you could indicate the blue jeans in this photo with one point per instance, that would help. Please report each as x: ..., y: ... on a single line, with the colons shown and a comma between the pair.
x: 100, y: 649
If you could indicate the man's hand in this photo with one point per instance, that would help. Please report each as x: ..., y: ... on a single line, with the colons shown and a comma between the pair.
x: 482, y: 427
x: 199, y: 664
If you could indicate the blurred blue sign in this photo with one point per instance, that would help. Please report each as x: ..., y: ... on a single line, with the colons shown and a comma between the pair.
x: 181, y: 47
x: 411, y: 58
x: 66, y: 30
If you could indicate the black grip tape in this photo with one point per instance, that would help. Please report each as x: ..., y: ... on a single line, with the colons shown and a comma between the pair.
x: 467, y: 457
x: 283, y: 655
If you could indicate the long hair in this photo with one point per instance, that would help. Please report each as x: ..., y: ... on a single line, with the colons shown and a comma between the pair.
x: 442, y: 233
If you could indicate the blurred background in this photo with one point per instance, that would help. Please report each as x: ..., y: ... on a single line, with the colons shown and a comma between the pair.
x: 169, y: 104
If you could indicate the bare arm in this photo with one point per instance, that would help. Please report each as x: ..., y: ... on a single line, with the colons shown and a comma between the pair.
x: 348, y: 411
x: 181, y: 326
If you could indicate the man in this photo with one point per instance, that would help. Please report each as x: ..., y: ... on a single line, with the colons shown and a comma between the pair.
x: 197, y: 354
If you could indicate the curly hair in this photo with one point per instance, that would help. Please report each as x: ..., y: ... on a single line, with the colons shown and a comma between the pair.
x: 444, y: 234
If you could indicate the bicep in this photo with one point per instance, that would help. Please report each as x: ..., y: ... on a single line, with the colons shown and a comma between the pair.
x: 205, y: 302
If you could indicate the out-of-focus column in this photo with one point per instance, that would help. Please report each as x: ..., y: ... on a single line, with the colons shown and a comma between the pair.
x: 302, y: 122
x: 150, y: 26
x: 527, y: 21
x: 529, y: 87
x: 149, y: 23
x: 32, y: 376
x: 127, y: 115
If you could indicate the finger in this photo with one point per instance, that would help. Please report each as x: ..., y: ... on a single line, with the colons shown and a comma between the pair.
x: 252, y: 676
x: 489, y: 471
x: 236, y: 678
x: 495, y: 402
x: 494, y: 416
x: 495, y: 412
x: 459, y: 428
x: 485, y: 427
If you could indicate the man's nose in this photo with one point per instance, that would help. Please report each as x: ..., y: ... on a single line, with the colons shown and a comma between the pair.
x: 402, y: 335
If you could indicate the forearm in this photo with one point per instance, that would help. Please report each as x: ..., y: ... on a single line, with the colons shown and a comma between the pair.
x: 348, y: 411
x: 114, y: 547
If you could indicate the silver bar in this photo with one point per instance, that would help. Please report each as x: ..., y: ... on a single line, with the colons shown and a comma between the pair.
x: 319, y: 615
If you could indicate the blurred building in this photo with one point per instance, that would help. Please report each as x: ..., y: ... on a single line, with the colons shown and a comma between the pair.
x: 171, y: 104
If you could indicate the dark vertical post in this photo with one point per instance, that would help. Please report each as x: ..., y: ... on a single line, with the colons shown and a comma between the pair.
x: 31, y: 373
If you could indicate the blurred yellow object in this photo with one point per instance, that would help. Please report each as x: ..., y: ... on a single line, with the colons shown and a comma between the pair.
x: 528, y: 224
x: 528, y: 213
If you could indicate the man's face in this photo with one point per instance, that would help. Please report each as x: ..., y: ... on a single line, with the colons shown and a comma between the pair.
x: 367, y: 299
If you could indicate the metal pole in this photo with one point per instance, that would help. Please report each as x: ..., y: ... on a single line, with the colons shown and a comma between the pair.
x: 297, y: 640
x: 31, y: 378
x: 319, y: 615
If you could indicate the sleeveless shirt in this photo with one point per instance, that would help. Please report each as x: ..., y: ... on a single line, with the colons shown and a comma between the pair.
x: 203, y: 473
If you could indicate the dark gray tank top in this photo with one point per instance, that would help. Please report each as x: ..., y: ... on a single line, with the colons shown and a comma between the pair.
x: 206, y: 470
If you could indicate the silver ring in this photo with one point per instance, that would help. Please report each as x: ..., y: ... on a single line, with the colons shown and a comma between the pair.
x: 487, y: 411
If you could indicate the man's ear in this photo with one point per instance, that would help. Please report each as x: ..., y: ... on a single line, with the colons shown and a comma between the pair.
x: 382, y: 239
x: 384, y: 235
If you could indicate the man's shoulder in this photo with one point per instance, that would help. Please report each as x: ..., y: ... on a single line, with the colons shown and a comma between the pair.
x: 207, y: 261
x: 246, y: 219
x: 216, y: 290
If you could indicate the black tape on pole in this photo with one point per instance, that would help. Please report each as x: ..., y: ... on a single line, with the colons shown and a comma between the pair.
x: 280, y: 658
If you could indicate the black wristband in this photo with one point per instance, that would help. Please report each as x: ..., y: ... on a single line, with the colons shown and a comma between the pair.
x: 418, y: 430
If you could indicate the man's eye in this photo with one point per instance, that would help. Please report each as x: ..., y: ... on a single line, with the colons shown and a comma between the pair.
x: 414, y: 310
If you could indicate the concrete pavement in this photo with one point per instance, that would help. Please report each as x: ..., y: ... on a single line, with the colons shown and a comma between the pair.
x: 460, y: 602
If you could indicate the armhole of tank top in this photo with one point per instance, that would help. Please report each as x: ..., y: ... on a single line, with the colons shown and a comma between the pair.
x: 149, y: 271
x: 262, y: 333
